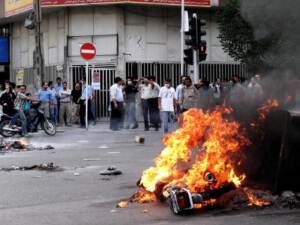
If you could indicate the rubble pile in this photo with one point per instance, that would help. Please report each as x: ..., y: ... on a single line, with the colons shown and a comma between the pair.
x: 41, y: 167
x: 20, y: 145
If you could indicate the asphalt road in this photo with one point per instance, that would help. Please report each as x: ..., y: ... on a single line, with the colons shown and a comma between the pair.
x: 80, y: 196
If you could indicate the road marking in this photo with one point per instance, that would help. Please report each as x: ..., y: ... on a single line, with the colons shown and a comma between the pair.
x: 82, y: 141
x: 113, y: 152
x: 103, y: 146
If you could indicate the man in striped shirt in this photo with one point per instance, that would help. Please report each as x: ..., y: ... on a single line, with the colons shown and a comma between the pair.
x: 19, y: 107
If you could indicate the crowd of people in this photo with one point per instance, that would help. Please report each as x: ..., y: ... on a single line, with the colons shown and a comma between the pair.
x: 161, y: 106
x: 59, y: 103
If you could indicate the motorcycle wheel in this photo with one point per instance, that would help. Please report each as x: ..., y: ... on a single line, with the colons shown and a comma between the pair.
x: 3, y: 132
x: 49, y: 127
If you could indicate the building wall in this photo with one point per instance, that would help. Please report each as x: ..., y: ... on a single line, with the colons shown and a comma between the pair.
x: 54, y: 28
x: 132, y: 33
x: 1, y: 8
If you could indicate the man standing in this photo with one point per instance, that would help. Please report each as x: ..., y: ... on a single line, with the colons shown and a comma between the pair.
x: 65, y: 104
x: 188, y: 98
x: 117, y: 104
x: 149, y: 95
x: 153, y: 103
x: 57, y: 88
x: 54, y: 103
x: 130, y: 93
x: 86, y: 96
x: 45, y: 98
x: 167, y: 103
x: 75, y: 95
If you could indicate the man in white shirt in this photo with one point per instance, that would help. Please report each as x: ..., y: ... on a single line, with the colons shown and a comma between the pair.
x: 87, y: 92
x: 65, y: 104
x: 117, y: 104
x: 149, y: 95
x: 167, y: 104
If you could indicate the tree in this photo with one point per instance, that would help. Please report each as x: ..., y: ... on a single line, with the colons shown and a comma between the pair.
x: 238, y: 39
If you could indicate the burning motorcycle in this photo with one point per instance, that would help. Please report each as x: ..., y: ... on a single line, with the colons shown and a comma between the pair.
x: 7, y: 129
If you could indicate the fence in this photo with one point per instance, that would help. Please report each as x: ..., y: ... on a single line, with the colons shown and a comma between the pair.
x: 107, y: 76
x: 161, y: 71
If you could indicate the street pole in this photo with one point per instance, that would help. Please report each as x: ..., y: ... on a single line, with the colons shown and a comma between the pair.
x: 195, y: 54
x: 86, y: 95
x: 182, y: 39
x: 38, y: 60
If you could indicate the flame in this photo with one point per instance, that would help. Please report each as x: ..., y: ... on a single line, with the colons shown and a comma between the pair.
x: 266, y: 108
x: 205, y: 143
x: 122, y: 204
x: 256, y: 201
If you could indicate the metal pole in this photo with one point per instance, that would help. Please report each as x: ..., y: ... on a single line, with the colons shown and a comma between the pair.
x: 86, y: 95
x: 182, y: 39
x: 195, y: 53
x: 38, y: 59
x: 196, y: 66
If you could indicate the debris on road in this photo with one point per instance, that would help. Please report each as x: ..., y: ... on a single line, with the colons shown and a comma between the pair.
x: 20, y: 145
x: 112, y: 170
x: 42, y: 167
x: 122, y: 204
x: 140, y: 140
x: 76, y: 174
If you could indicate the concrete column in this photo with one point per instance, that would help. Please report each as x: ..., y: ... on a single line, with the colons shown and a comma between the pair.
x: 121, y: 61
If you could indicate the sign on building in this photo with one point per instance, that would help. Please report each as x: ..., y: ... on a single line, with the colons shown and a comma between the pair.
x: 4, y: 50
x: 13, y: 7
x: 19, y: 77
x: 204, y: 3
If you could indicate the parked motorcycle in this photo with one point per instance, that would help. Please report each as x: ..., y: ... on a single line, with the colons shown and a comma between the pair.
x: 7, y: 129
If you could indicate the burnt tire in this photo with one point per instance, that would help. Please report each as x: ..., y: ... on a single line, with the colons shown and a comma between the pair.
x: 49, y: 127
x: 3, y: 132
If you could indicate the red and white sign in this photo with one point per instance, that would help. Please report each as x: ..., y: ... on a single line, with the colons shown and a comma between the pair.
x: 196, y: 3
x: 87, y: 51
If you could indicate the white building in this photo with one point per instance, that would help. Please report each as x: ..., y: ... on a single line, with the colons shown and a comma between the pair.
x: 132, y: 40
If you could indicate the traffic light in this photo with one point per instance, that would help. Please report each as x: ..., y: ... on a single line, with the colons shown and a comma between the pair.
x: 202, y: 46
x: 191, y: 41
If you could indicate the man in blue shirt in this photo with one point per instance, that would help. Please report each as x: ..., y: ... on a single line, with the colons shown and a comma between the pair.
x: 45, y: 97
x: 87, y: 92
x: 58, y: 87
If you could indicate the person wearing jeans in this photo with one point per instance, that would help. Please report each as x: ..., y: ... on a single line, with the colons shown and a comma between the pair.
x: 167, y: 104
x: 19, y: 107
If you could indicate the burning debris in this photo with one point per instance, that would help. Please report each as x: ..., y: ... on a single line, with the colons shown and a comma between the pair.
x: 111, y: 171
x: 20, y: 145
x: 42, y: 167
x: 200, y: 163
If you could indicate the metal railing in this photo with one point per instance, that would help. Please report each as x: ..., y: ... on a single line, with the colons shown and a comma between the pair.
x: 161, y: 71
x: 107, y: 76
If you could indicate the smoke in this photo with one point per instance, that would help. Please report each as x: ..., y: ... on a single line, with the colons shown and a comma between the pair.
x: 278, y: 20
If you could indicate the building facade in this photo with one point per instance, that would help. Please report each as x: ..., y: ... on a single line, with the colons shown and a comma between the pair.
x: 131, y: 40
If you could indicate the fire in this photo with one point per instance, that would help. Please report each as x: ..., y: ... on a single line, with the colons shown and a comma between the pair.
x: 256, y: 201
x: 202, y: 155
x: 205, y: 144
x: 266, y: 108
x: 122, y: 204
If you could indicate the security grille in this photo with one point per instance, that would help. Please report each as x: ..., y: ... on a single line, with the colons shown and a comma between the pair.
x: 161, y: 71
x: 107, y: 76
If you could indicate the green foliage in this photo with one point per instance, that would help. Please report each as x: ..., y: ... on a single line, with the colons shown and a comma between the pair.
x: 237, y: 36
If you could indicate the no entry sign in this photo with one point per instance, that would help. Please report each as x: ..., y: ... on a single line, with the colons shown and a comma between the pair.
x: 87, y: 51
